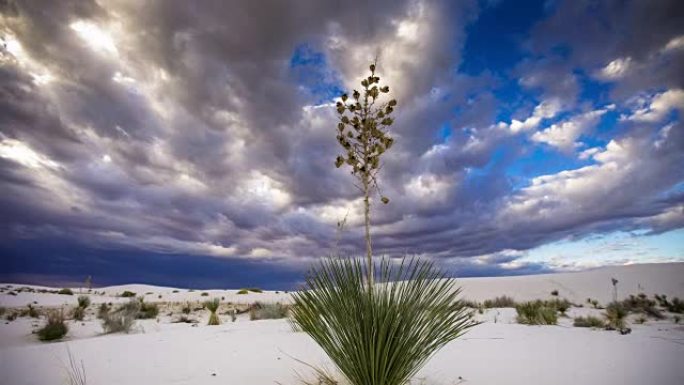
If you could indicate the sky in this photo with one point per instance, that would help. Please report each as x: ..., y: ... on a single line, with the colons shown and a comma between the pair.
x: 193, y: 143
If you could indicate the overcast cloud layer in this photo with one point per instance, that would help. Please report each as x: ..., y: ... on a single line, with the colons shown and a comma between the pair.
x: 187, y: 130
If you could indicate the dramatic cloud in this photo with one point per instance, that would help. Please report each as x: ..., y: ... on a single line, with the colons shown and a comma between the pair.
x: 195, y: 130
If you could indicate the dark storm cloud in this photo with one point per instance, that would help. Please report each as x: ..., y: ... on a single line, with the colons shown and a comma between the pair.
x: 174, y: 127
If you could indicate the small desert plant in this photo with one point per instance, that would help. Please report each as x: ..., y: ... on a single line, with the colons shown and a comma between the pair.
x: 502, y: 301
x: 233, y: 317
x: 267, y: 311
x: 213, y: 306
x: 595, y: 304
x: 78, y: 313
x: 175, y: 291
x: 205, y: 294
x: 676, y: 319
x: 65, y: 291
x: 536, y: 313
x: 121, y: 319
x: 55, y: 327
x: 32, y: 311
x: 384, y: 334
x: 187, y: 308
x: 83, y: 301
x: 588, y: 322
x: 185, y: 319
x: 2, y: 310
x: 615, y: 315
x: 676, y: 306
x: 243, y: 291
x: 561, y: 305
x: 127, y: 294
x: 147, y: 310
x: 554, y: 293
x: 640, y: 320
x: 102, y: 310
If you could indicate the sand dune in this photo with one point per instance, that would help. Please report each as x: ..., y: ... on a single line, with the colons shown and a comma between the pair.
x: 245, y: 352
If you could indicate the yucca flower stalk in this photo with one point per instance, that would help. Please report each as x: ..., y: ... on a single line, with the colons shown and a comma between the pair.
x: 384, y: 335
x: 213, y: 306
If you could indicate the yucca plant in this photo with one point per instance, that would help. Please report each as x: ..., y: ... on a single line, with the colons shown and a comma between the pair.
x: 384, y: 335
x: 213, y: 306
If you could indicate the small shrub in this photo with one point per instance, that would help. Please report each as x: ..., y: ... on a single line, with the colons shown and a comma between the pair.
x: 55, y: 328
x: 615, y: 315
x: 185, y: 320
x: 267, y: 311
x: 561, y: 305
x: 83, y: 301
x: 536, y: 313
x: 204, y: 294
x: 248, y: 289
x: 186, y: 309
x: 127, y: 294
x: 102, y: 310
x: 243, y: 291
x: 640, y: 320
x: 676, y: 319
x: 78, y: 313
x: 121, y: 319
x: 11, y: 316
x: 11, y: 293
x: 233, y: 317
x: 147, y: 310
x: 213, y: 306
x: 175, y: 291
x: 554, y: 293
x: 588, y: 322
x: 675, y: 306
x: 2, y: 311
x: 503, y: 301
x: 66, y: 291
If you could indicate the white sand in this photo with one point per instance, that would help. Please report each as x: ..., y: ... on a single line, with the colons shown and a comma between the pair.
x: 258, y: 352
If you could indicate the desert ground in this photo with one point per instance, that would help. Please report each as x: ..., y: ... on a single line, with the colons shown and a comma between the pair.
x: 268, y: 351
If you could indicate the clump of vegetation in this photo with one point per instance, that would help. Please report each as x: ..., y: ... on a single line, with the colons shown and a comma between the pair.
x: 2, y: 311
x: 175, y: 291
x: 615, y: 316
x: 55, y: 328
x: 248, y: 289
x: 536, y: 313
x: 147, y: 310
x: 121, y: 319
x: 561, y: 305
x: 102, y: 310
x: 213, y: 306
x: 588, y: 322
x: 83, y: 301
x: 127, y: 294
x: 260, y: 311
x: 205, y: 294
x: 30, y: 311
x: 408, y: 321
x: 640, y: 320
x: 233, y: 317
x: 185, y: 320
x: 78, y: 313
x: 186, y: 308
x: 65, y: 291
x: 642, y: 304
x: 675, y: 306
x: 554, y: 293
x: 676, y: 319
x: 503, y: 301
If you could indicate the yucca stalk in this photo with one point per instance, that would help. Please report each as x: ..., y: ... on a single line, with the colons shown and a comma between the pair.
x: 213, y: 306
x: 381, y: 336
